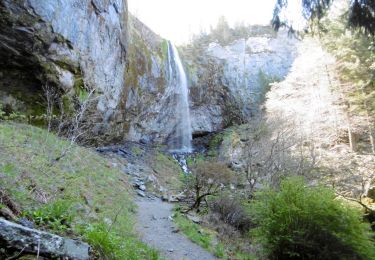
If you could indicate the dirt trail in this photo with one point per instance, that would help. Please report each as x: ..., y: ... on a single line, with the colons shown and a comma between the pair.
x: 157, y: 229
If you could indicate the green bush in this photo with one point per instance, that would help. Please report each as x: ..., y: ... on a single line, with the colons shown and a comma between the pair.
x: 301, y: 222
x: 57, y: 216
x: 107, y: 244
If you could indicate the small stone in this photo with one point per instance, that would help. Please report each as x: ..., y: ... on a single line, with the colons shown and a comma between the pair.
x: 141, y: 193
x: 171, y: 250
x: 142, y: 187
x: 108, y: 221
x: 195, y: 219
x: 175, y: 230
x: 173, y: 198
x: 152, y: 178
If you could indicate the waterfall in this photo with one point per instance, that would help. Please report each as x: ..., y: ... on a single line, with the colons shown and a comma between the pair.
x: 181, y: 142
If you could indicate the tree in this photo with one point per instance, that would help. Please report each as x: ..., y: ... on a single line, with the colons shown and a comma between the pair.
x: 222, y: 32
x: 207, y: 179
x: 299, y: 222
x: 273, y: 150
x: 361, y: 13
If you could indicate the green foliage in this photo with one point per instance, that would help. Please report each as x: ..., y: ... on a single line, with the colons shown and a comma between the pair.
x: 219, y: 250
x: 9, y: 169
x: 83, y: 95
x: 219, y: 139
x: 84, y: 186
x: 12, y: 116
x: 300, y: 222
x: 168, y: 170
x: 208, y: 239
x: 356, y: 63
x: 57, y: 216
x: 137, y: 151
x: 109, y: 245
x: 164, y: 49
x: 193, y: 158
x: 193, y: 231
x: 265, y: 84
x: 214, y: 144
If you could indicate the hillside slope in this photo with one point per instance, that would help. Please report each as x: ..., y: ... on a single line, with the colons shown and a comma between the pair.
x: 310, y: 98
x: 68, y: 190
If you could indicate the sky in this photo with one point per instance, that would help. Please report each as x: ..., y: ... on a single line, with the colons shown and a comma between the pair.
x: 177, y: 20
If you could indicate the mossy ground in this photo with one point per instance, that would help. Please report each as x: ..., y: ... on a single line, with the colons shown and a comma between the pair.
x: 97, y: 191
x: 209, y: 239
x: 167, y: 171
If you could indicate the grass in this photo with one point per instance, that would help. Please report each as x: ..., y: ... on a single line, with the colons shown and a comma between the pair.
x: 167, y: 171
x: 194, y: 231
x: 82, y: 183
x: 210, y: 240
x: 199, y: 235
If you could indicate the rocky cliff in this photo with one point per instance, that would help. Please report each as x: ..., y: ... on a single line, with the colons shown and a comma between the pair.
x: 71, y: 45
x: 228, y: 81
x: 149, y: 96
x: 77, y: 46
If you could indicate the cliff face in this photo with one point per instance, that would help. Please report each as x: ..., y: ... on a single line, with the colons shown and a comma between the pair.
x: 228, y: 82
x: 149, y: 96
x: 71, y: 45
x: 75, y: 46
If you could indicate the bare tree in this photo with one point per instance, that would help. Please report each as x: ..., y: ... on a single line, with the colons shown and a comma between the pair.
x: 361, y: 198
x: 273, y: 150
x: 51, y: 97
x: 78, y: 126
x: 207, y: 178
x: 73, y: 126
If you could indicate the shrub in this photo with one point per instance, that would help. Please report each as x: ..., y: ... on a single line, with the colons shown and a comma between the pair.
x: 193, y: 231
x: 232, y: 212
x: 107, y: 244
x: 309, y: 223
x: 207, y: 179
x: 58, y: 215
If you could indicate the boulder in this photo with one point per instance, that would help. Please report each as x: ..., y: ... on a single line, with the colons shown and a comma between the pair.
x: 32, y: 241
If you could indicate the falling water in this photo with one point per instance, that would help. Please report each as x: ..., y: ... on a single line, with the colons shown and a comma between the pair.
x: 181, y: 143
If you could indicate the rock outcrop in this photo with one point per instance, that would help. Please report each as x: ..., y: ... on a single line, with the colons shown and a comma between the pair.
x: 70, y: 45
x: 17, y: 238
x: 75, y: 46
x: 228, y: 82
x: 149, y: 96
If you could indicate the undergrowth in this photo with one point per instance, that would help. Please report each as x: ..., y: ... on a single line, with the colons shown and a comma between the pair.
x: 299, y: 222
x: 81, y: 194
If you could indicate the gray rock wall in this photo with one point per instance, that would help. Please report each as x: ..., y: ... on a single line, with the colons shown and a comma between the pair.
x: 228, y: 83
x: 70, y: 44
x: 77, y: 45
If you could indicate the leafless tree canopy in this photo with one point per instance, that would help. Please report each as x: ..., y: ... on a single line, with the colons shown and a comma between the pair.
x: 207, y: 178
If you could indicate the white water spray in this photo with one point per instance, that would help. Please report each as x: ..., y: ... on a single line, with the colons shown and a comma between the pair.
x: 181, y: 143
